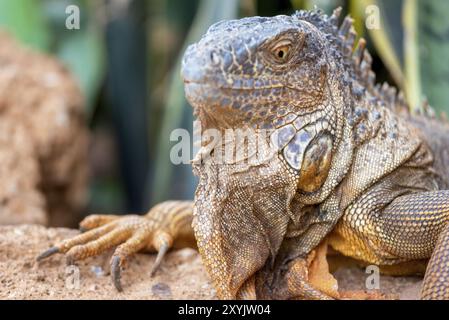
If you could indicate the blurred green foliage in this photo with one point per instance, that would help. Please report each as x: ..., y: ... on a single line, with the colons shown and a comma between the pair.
x: 177, y: 112
x: 41, y: 25
x: 413, y: 42
x: 138, y: 100
x: 26, y: 20
x: 432, y: 40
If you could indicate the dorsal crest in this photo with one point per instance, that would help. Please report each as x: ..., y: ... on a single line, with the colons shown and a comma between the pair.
x: 356, y: 58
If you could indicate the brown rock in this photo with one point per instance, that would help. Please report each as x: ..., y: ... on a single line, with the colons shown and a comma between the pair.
x: 43, y: 139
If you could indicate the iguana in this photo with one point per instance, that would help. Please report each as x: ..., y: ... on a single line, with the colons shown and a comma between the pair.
x: 353, y: 167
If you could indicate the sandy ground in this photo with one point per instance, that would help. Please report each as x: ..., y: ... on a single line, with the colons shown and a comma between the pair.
x: 181, y: 276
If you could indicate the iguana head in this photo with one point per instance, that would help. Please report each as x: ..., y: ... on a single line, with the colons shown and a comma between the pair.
x: 292, y: 75
x: 256, y: 70
x: 298, y: 77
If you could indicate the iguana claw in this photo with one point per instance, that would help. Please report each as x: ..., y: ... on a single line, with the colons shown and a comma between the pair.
x: 47, y: 253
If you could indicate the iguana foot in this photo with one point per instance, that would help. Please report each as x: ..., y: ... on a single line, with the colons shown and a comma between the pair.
x: 320, y: 278
x: 157, y: 231
x: 307, y: 278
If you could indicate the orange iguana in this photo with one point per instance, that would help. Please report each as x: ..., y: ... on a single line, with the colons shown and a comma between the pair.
x: 352, y: 166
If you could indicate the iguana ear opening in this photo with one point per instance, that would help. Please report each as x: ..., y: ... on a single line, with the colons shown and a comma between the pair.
x: 316, y: 163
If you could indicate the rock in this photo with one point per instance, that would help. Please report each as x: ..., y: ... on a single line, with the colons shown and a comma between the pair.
x: 161, y: 290
x: 181, y: 276
x: 43, y: 139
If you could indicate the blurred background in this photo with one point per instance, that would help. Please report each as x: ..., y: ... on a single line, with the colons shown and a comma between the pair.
x: 126, y: 58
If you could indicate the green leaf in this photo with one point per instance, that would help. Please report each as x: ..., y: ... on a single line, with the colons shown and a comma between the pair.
x: 413, y: 88
x: 385, y: 40
x: 25, y: 20
x: 433, y: 49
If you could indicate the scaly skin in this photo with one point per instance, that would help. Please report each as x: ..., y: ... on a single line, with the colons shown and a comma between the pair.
x: 351, y: 167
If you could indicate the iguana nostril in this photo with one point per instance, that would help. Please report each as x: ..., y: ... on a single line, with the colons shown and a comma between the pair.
x: 214, y: 58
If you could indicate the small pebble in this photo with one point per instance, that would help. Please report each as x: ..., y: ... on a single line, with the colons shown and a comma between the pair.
x: 93, y: 288
x: 161, y: 290
x: 97, y: 270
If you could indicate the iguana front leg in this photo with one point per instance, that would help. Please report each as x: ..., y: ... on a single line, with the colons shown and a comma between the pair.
x: 423, y: 221
x: 412, y: 227
x: 436, y: 280
x: 166, y: 225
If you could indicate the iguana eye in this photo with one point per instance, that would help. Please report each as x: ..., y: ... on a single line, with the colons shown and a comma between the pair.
x: 281, y: 52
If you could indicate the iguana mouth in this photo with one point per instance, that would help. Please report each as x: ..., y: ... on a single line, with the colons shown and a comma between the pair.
x: 229, y: 87
x: 204, y: 94
x: 232, y: 88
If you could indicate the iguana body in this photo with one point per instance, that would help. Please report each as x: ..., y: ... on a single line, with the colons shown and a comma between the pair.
x: 351, y: 167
